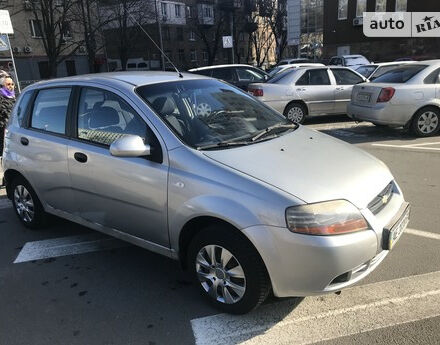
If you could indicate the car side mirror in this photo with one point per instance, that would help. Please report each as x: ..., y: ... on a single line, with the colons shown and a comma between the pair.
x: 129, y: 146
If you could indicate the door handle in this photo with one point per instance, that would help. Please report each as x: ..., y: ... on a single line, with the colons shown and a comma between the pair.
x: 300, y: 89
x: 80, y: 157
x: 340, y: 88
x: 24, y: 141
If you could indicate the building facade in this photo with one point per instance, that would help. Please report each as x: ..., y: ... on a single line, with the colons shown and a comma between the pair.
x: 343, y: 31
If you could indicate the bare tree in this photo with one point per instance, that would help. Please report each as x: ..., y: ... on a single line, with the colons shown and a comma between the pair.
x: 52, y: 22
x: 278, y: 24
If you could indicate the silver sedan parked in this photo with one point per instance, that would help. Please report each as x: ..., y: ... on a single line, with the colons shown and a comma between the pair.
x: 308, y: 91
x: 128, y: 154
x: 408, y: 96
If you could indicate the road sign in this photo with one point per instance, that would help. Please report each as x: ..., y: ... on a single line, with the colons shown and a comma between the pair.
x: 4, y: 43
x: 5, y: 23
x: 227, y: 42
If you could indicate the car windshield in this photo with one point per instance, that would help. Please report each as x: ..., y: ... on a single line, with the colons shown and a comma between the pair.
x: 206, y: 113
x: 366, y: 70
x: 400, y: 75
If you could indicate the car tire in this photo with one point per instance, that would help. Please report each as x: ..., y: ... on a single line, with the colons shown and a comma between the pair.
x: 241, y: 283
x: 296, y: 112
x: 27, y: 206
x: 426, y: 122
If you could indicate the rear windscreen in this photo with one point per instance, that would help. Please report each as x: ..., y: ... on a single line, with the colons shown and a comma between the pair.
x: 400, y: 75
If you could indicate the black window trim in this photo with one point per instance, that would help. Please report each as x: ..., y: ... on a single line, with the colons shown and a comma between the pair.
x: 28, y: 120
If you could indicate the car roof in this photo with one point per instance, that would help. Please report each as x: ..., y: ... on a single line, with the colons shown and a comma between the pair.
x: 219, y: 66
x: 134, y: 78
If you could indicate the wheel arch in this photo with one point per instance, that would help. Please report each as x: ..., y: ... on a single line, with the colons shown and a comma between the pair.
x: 9, y: 176
x: 300, y: 101
x: 430, y: 105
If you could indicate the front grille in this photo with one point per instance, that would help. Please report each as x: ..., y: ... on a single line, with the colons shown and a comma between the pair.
x: 381, y: 200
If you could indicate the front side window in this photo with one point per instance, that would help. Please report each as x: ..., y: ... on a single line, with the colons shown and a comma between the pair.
x: 104, y: 117
x: 314, y: 77
x: 401, y: 5
x: 50, y: 110
x: 208, y: 112
x: 346, y: 77
x: 381, y: 5
x: 342, y: 9
x: 361, y: 7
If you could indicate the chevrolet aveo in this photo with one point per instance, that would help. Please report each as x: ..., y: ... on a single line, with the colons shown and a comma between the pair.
x: 246, y: 200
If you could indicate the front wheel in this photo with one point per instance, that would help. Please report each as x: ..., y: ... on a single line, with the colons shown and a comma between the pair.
x: 426, y: 122
x: 26, y: 204
x: 228, y: 269
x: 296, y: 112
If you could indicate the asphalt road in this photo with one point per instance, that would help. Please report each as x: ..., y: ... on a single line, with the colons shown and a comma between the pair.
x: 118, y: 294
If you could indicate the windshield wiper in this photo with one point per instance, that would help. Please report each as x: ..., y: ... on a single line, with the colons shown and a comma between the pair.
x: 272, y: 128
x: 223, y: 144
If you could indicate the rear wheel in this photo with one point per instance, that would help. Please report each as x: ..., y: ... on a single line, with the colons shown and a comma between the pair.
x: 26, y: 204
x: 296, y: 112
x: 228, y: 269
x: 426, y: 122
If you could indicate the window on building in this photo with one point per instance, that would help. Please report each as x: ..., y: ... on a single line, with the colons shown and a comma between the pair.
x: 401, y: 5
x: 177, y: 10
x: 65, y: 29
x: 181, y: 55
x: 70, y: 67
x: 361, y: 7
x: 192, y: 36
x: 163, y: 9
x: 342, y: 9
x: 205, y: 55
x: 208, y: 12
x: 166, y: 33
x: 189, y: 12
x: 35, y: 26
x: 193, y: 55
x: 381, y: 5
x: 179, y: 34
x: 241, y: 37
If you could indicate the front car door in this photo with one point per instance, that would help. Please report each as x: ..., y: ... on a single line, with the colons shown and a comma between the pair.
x: 127, y: 194
x: 314, y: 87
x: 345, y: 79
x: 41, y: 146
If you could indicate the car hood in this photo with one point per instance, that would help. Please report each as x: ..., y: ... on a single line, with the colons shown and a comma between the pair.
x: 311, y: 166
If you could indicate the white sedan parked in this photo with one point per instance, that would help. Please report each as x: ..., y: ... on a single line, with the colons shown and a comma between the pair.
x: 408, y: 96
x: 308, y: 91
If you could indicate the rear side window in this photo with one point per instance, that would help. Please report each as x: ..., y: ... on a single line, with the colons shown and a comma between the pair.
x: 247, y: 74
x: 433, y: 78
x: 314, y: 77
x: 50, y: 110
x: 346, y: 77
x: 226, y: 74
x: 19, y: 113
x: 400, y: 75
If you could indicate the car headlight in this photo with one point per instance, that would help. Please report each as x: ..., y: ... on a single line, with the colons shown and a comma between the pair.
x: 325, y: 218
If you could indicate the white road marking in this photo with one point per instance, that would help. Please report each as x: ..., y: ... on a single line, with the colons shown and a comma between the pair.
x: 5, y: 203
x: 426, y: 234
x: 404, y: 147
x: 359, y: 309
x: 71, y: 245
x: 423, y: 144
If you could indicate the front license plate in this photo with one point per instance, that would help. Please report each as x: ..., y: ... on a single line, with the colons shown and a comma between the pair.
x: 391, y: 236
x: 363, y: 97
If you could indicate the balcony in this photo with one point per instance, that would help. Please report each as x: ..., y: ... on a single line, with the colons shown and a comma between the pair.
x: 205, y: 14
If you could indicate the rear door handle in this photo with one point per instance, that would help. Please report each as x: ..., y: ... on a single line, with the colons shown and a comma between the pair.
x: 340, y: 88
x: 80, y: 157
x: 300, y: 89
x: 24, y: 141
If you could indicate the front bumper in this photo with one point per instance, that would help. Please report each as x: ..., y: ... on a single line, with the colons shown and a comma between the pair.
x: 381, y: 113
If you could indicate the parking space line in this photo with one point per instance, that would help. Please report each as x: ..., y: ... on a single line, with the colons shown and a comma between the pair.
x: 70, y: 245
x: 360, y: 309
x: 422, y: 144
x: 426, y: 234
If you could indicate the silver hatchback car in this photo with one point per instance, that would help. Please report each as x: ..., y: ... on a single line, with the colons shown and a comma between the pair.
x: 246, y: 200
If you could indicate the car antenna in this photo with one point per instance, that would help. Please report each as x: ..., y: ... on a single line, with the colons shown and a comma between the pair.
x: 161, y: 51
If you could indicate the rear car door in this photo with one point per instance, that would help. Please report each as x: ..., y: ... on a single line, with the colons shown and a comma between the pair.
x: 41, y: 147
x: 314, y: 87
x: 127, y: 194
x: 345, y: 79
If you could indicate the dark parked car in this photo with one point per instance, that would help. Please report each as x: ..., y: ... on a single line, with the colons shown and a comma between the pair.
x: 238, y: 75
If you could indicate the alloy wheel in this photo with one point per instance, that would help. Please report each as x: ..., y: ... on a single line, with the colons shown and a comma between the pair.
x: 428, y: 122
x: 24, y: 204
x: 220, y: 274
x: 295, y: 114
